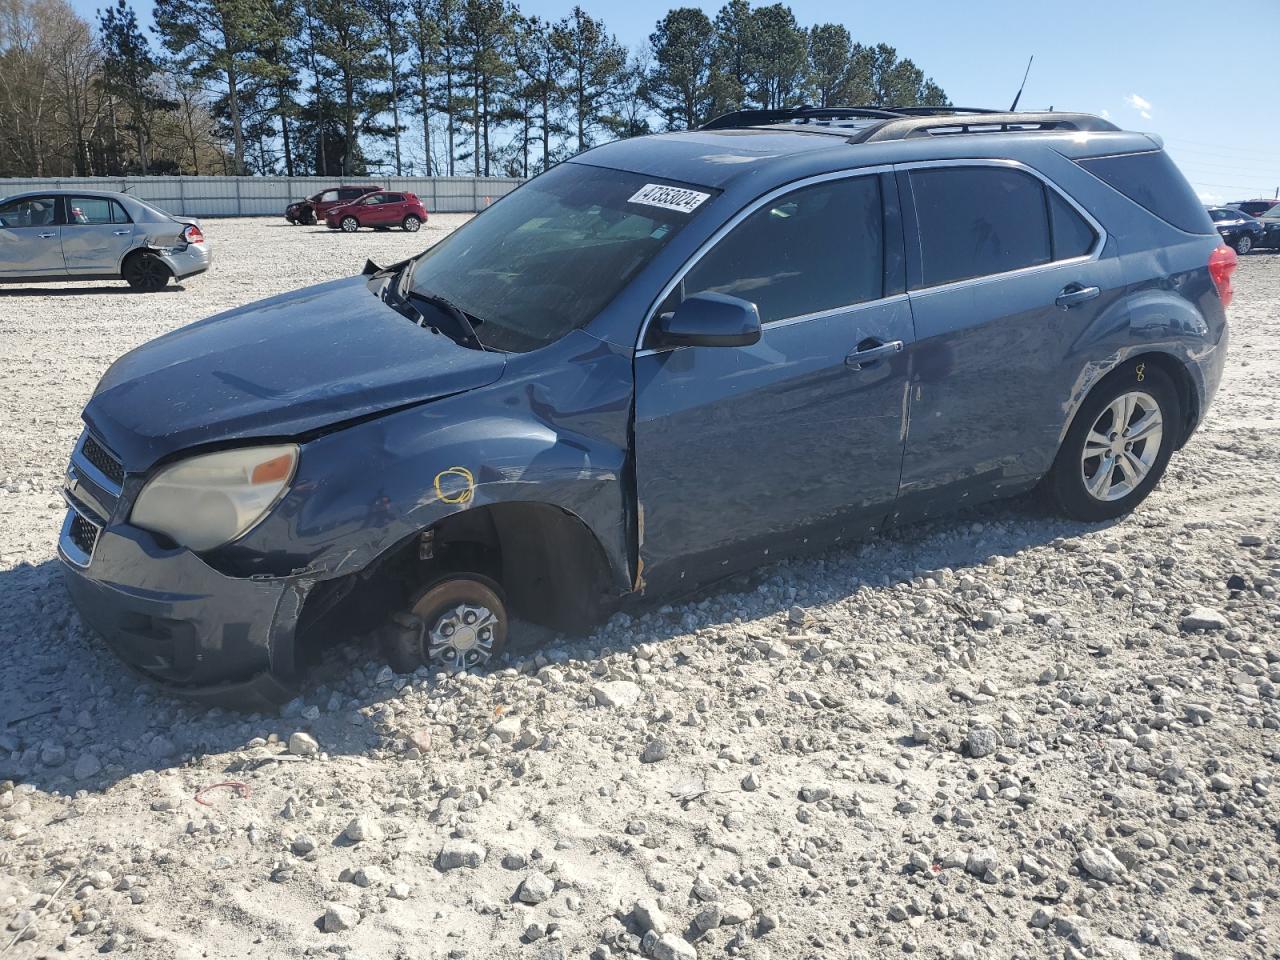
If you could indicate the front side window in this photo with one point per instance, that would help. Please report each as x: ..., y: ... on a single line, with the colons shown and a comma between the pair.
x: 548, y: 257
x: 814, y: 249
x: 91, y: 211
x: 30, y: 212
x: 977, y: 221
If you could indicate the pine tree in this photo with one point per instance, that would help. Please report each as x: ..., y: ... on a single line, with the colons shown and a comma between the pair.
x: 680, y: 83
x: 594, y: 66
x: 128, y: 75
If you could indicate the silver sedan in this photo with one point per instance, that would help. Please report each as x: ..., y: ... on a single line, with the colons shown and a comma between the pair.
x: 97, y: 235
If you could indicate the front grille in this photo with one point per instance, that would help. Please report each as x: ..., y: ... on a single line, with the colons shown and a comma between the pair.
x: 103, y: 461
x: 83, y: 534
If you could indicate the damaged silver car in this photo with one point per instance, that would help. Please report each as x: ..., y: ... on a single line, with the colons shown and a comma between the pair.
x: 97, y: 235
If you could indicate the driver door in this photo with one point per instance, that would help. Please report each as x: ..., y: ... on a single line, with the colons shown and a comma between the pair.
x: 745, y: 452
x: 31, y: 238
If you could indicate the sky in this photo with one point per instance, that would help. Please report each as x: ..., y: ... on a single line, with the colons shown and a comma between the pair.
x: 1157, y: 66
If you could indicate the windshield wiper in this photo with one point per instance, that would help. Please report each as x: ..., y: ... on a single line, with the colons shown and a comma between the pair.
x: 454, y: 312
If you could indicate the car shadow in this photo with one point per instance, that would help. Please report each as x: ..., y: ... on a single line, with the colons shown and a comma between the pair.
x: 72, y: 717
x: 27, y: 291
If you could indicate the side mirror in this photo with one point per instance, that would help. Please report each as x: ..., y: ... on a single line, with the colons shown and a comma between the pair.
x: 710, y: 320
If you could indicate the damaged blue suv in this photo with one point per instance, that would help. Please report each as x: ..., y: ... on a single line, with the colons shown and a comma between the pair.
x: 657, y: 364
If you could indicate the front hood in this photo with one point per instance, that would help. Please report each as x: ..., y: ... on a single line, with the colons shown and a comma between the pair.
x: 277, y: 368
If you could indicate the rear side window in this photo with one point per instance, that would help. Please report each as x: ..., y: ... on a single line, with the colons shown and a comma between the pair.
x: 976, y: 221
x: 1151, y: 180
x: 94, y: 210
x: 814, y: 249
x: 1072, y: 235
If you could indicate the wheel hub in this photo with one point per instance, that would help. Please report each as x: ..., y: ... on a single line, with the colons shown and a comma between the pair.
x: 462, y: 637
x: 1122, y: 446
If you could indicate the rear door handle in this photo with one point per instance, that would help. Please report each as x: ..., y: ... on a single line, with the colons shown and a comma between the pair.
x: 121, y: 233
x: 47, y: 236
x: 871, y: 353
x: 1073, y: 294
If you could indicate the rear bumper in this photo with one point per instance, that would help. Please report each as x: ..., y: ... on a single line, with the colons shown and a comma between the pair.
x: 193, y: 259
x: 173, y: 618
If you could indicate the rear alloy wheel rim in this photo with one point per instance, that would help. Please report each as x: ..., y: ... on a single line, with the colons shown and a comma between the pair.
x: 1121, y: 447
x: 411, y: 224
x: 1244, y: 244
x: 462, y: 637
x: 148, y: 272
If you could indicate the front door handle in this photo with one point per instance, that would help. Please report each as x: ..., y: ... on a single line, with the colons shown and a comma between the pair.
x: 1073, y: 294
x: 869, y: 351
x: 121, y: 233
x: 47, y: 236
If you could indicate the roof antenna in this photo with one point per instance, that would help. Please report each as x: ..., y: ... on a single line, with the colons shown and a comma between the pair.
x: 1024, y: 83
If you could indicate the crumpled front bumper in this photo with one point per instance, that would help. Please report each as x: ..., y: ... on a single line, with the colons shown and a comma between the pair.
x: 172, y: 617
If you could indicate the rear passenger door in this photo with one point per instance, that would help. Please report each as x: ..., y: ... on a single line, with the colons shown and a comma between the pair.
x: 97, y: 235
x: 1005, y: 275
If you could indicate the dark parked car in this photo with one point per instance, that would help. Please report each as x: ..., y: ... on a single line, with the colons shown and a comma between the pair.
x: 1270, y: 222
x: 97, y: 235
x: 314, y: 208
x: 1254, y: 208
x: 1240, y: 231
x: 667, y: 359
x: 382, y: 211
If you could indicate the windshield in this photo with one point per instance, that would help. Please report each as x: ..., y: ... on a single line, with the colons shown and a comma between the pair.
x: 550, y: 256
x: 1272, y: 214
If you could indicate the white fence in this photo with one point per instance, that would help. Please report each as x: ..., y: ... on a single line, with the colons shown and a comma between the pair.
x: 268, y: 196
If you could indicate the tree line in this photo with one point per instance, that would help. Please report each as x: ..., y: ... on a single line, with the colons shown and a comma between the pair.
x: 425, y: 87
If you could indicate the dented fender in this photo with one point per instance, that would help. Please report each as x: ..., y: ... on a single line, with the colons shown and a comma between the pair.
x: 551, y: 430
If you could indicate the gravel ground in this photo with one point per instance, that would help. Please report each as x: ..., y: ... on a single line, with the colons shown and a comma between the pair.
x: 999, y: 735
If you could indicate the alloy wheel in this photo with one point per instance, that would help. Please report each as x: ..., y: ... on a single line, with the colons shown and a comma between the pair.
x: 350, y: 224
x: 411, y: 224
x: 1122, y: 446
x: 1244, y: 244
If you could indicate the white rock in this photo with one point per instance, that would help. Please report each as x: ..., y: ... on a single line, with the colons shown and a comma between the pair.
x: 303, y: 744
x: 1101, y: 863
x: 362, y: 828
x: 536, y: 888
x: 616, y: 693
x: 1204, y: 618
x: 461, y: 853
x: 671, y: 946
x: 649, y: 916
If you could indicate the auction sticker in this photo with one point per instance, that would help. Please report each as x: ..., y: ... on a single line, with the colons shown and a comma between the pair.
x: 669, y: 198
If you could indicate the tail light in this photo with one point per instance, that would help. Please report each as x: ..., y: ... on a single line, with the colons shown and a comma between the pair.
x: 193, y: 234
x: 1222, y: 264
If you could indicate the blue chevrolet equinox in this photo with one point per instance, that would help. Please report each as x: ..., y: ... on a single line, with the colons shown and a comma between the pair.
x: 659, y: 363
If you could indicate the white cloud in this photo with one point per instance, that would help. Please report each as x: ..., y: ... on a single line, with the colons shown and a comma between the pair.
x: 1106, y: 114
x: 1141, y: 104
x: 1211, y: 199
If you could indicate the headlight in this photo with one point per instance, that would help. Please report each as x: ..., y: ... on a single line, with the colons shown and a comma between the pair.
x: 209, y: 500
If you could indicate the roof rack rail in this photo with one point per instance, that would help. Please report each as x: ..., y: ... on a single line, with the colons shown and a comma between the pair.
x: 801, y: 114
x: 906, y: 128
x: 939, y: 111
x: 901, y: 123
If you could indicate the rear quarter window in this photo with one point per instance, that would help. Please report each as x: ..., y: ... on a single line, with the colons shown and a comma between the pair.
x: 1154, y: 182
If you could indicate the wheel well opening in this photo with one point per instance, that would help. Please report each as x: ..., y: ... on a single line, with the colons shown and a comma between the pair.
x: 547, y: 561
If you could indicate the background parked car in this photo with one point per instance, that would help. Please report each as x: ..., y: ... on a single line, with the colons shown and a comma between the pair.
x: 1254, y: 208
x: 314, y: 208
x: 1270, y: 222
x: 382, y: 210
x: 1240, y: 231
x: 97, y: 235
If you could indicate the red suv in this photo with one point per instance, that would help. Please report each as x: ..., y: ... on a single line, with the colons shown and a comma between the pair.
x: 312, y: 209
x: 381, y: 210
